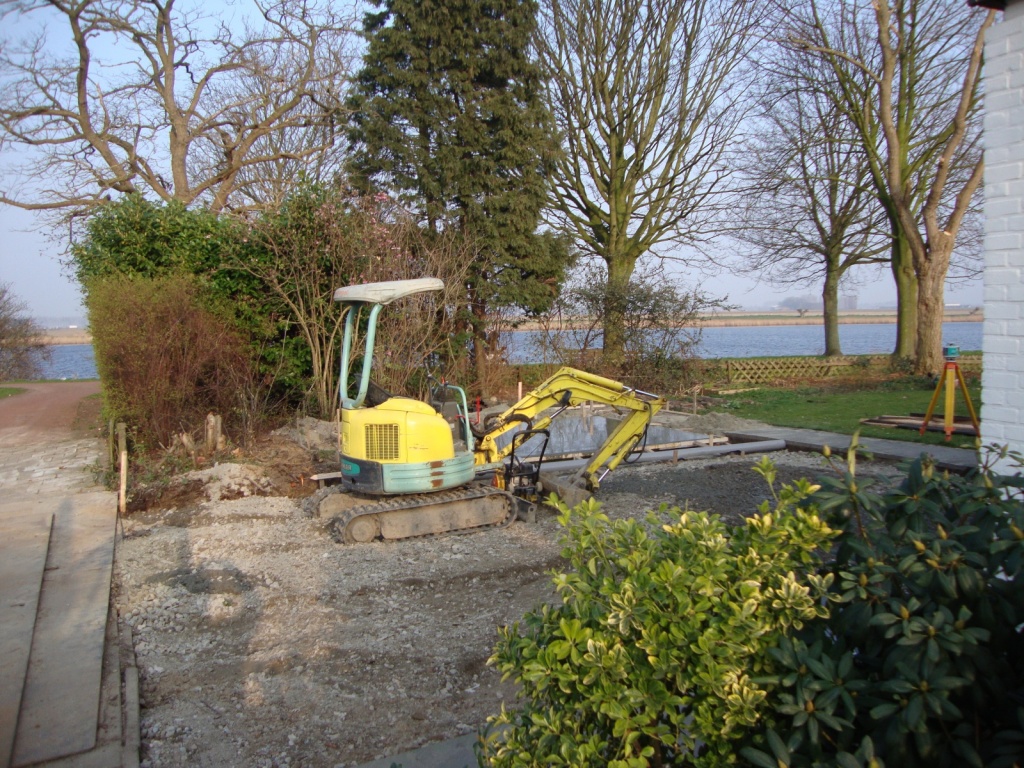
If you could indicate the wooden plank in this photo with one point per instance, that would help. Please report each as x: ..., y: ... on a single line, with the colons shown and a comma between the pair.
x: 907, y: 422
x: 61, y: 701
x: 22, y: 560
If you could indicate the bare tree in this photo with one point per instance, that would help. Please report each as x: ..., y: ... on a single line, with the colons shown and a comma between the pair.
x: 907, y: 76
x: 661, y: 326
x: 154, y: 99
x: 645, y: 101
x: 809, y: 212
x: 22, y: 350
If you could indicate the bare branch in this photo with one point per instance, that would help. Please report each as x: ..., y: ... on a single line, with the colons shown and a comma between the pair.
x: 175, y: 106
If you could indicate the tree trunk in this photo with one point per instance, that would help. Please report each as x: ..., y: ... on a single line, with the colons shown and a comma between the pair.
x: 620, y: 270
x: 478, y: 324
x: 931, y: 277
x: 906, y: 299
x: 480, y: 359
x: 830, y: 308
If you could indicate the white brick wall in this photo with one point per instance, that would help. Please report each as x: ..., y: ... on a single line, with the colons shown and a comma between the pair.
x: 1002, y: 408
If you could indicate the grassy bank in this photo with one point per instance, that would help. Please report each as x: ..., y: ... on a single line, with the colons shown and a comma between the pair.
x: 839, y: 407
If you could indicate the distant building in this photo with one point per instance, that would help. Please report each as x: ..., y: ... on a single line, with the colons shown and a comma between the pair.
x: 848, y: 302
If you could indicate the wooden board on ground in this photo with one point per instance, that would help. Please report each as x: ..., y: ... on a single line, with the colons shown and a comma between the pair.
x: 961, y: 425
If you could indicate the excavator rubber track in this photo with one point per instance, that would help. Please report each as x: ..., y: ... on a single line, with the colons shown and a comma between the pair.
x: 461, y: 510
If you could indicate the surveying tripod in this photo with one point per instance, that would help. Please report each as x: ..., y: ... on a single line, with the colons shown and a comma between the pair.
x: 951, y: 377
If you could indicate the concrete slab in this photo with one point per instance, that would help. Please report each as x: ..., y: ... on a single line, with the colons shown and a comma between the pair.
x: 954, y: 459
x: 454, y: 753
x: 61, y: 700
x: 23, y: 545
x: 108, y: 752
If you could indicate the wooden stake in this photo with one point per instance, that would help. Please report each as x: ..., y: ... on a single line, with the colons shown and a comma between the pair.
x: 209, y: 442
x: 122, y: 450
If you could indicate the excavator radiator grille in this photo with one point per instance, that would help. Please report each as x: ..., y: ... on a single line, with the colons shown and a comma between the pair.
x: 382, y: 442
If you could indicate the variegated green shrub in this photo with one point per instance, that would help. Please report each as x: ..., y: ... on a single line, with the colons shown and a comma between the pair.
x: 653, y: 656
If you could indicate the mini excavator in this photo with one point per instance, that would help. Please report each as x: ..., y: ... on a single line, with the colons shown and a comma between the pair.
x: 410, y: 468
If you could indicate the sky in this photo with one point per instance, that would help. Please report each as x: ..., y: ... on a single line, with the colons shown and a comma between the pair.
x: 30, y: 262
x: 31, y: 266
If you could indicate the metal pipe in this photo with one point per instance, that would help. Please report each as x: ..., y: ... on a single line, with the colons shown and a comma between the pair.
x: 759, y: 446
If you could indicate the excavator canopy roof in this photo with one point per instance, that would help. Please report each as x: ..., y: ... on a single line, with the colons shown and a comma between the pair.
x: 385, y: 293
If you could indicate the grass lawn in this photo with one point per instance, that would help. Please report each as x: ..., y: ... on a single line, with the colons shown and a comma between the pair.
x: 839, y: 406
x: 8, y: 391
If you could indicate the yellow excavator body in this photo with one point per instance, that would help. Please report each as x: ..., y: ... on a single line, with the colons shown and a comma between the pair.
x: 398, y: 431
x: 409, y: 471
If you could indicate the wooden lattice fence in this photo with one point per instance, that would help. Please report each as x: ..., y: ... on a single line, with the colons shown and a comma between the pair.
x: 767, y: 370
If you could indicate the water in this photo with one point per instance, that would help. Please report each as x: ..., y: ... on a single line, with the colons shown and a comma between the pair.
x: 70, y: 361
x: 782, y: 340
x: 75, y: 361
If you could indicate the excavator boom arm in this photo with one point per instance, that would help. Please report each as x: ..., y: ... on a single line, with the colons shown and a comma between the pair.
x: 569, y: 387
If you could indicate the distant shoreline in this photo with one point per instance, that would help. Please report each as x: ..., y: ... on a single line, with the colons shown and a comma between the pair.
x: 855, y: 317
x: 72, y: 336
x: 67, y: 336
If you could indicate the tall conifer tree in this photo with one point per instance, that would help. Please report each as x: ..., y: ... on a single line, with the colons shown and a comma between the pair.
x: 447, y: 117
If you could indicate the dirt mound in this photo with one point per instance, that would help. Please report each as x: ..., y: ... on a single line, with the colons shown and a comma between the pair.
x: 273, y: 466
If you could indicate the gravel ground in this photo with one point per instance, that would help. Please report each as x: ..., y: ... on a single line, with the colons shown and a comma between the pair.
x: 262, y: 642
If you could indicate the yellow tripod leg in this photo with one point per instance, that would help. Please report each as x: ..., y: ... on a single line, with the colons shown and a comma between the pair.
x: 949, y: 418
x: 967, y: 400
x: 931, y: 406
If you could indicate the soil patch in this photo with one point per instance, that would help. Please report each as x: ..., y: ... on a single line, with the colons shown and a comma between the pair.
x: 275, y: 465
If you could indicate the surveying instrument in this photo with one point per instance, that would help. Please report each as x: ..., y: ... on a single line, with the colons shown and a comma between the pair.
x: 951, y: 377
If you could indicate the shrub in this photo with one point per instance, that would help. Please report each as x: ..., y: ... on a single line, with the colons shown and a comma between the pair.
x: 921, y: 662
x: 652, y: 656
x: 322, y: 238
x: 139, y: 238
x: 274, y: 279
x: 143, y: 240
x: 165, y: 357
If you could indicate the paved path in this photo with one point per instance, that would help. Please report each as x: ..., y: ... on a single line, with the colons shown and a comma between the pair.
x: 40, y: 453
x: 59, y: 673
x: 45, y: 411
